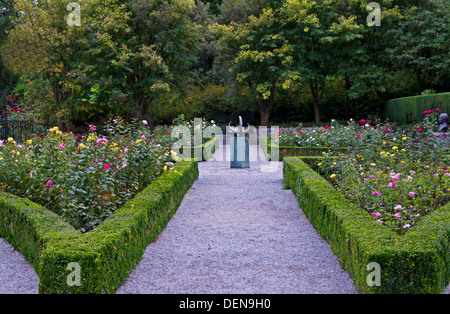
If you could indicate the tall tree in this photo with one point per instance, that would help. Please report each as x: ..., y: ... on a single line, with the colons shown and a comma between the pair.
x: 420, y: 43
x: 261, y: 58
x: 44, y: 44
x: 6, y: 14
x: 305, y: 25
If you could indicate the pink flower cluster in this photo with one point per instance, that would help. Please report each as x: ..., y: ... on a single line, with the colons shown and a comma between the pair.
x: 430, y: 111
x: 102, y: 140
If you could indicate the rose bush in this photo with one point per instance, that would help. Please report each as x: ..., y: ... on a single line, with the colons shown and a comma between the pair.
x: 397, y: 176
x: 84, y: 178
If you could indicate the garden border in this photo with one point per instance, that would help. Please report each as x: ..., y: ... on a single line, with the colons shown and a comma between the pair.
x: 107, y: 254
x: 418, y: 262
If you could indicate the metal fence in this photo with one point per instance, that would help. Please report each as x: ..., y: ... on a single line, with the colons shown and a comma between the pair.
x: 20, y: 131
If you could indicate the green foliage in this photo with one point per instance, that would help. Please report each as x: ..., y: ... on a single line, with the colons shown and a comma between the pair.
x: 84, y: 179
x: 421, y: 43
x: 6, y: 13
x: 108, y: 254
x: 414, y: 263
x: 157, y: 59
x: 410, y: 109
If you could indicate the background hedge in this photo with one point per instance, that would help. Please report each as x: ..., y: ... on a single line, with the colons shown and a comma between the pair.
x: 418, y: 262
x: 107, y: 254
x: 410, y: 109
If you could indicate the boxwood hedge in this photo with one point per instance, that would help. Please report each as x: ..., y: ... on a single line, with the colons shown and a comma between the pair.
x: 417, y: 262
x: 105, y: 255
x: 410, y: 109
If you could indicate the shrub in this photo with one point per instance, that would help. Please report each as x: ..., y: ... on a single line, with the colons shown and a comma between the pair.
x: 398, y: 177
x: 410, y: 109
x: 417, y: 262
x: 106, y: 254
x: 86, y: 178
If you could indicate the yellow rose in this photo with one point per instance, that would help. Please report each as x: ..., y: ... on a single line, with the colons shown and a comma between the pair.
x: 165, y: 168
x: 29, y: 141
x: 10, y: 139
x: 404, y: 138
x: 395, y: 148
x: 319, y: 164
x: 333, y: 176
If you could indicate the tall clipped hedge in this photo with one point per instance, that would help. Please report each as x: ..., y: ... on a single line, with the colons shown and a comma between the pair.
x: 106, y: 254
x: 410, y: 109
x: 417, y: 262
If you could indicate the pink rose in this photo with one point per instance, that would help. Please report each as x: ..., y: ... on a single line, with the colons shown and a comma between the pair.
x: 107, y: 166
x: 49, y: 183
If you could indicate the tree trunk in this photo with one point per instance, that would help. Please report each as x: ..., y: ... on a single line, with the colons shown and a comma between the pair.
x: 316, y: 103
x: 57, y: 98
x: 142, y: 101
x: 264, y: 117
x: 346, y: 103
x: 382, y: 98
x: 265, y: 107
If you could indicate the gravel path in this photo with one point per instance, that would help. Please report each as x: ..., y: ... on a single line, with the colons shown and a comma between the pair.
x: 17, y: 276
x: 238, y: 231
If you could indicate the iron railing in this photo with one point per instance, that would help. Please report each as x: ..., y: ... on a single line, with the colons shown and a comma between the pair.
x: 20, y: 131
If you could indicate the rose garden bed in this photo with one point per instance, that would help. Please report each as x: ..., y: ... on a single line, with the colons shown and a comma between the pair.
x: 105, y: 255
x: 385, y: 199
x: 92, y: 202
x: 416, y: 262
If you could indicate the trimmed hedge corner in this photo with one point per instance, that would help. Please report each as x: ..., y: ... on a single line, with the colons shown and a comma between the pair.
x: 107, y: 254
x: 418, y: 262
x: 410, y: 109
